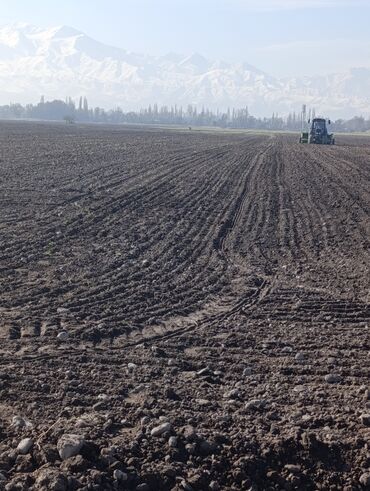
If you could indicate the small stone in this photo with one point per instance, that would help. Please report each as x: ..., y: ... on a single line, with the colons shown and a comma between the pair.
x: 186, y: 486
x: 62, y: 310
x: 214, y: 486
x: 294, y: 469
x: 62, y: 336
x: 119, y: 475
x: 365, y: 479
x: 108, y: 454
x: 145, y: 420
x: 191, y: 448
x: 172, y: 442
x: 203, y: 372
x: 69, y: 445
x: 158, y: 351
x: 365, y: 419
x: 333, y: 378
x: 247, y: 371
x: 300, y: 388
x: 98, y: 406
x: 189, y: 433
x: 159, y: 430
x: 18, y: 421
x: 255, y: 404
x: 2, y: 477
x: 131, y: 366
x: 143, y: 487
x: 25, y: 445
x: 232, y: 394
x: 203, y: 402
x: 103, y: 397
x: 287, y: 349
x: 300, y: 357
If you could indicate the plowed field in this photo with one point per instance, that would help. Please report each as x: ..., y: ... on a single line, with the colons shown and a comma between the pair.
x: 218, y: 282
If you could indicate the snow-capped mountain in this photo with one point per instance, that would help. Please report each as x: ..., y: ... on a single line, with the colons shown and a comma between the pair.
x: 62, y: 61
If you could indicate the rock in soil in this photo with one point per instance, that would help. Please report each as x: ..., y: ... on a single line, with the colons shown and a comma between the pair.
x: 69, y: 445
x: 25, y: 445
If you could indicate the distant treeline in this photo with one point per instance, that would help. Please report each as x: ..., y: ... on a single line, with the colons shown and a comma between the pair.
x: 70, y: 112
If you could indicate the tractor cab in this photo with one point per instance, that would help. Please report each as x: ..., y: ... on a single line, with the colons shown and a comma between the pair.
x: 319, y: 125
x: 319, y: 133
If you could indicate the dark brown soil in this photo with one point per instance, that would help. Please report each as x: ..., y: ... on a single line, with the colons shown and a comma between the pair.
x: 218, y: 282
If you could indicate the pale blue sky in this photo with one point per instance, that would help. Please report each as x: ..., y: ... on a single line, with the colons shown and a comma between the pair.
x: 282, y: 37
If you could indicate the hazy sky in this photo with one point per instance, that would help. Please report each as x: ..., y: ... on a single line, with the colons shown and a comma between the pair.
x: 282, y: 37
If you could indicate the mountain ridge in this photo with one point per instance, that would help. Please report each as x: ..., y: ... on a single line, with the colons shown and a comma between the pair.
x: 61, y: 60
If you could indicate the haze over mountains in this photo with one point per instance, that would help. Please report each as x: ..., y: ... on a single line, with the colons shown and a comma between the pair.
x: 62, y: 61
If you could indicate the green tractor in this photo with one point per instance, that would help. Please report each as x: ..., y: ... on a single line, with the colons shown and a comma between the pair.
x: 318, y: 133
